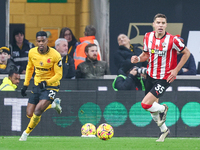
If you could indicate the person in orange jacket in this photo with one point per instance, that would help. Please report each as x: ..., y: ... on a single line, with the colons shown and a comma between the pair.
x: 89, y: 38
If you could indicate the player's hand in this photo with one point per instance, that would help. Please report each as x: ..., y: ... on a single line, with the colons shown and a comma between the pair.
x: 42, y: 84
x: 172, y: 76
x: 23, y: 90
x: 134, y: 59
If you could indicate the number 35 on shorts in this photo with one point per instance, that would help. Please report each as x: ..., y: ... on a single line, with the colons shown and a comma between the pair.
x: 52, y: 94
x: 159, y: 88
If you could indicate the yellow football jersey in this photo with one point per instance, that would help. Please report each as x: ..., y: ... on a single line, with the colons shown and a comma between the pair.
x: 47, y: 66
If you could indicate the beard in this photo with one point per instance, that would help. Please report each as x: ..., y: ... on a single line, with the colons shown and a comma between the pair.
x: 93, y: 58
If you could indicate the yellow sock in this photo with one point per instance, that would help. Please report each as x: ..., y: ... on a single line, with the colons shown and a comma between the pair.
x: 48, y: 107
x: 33, y: 123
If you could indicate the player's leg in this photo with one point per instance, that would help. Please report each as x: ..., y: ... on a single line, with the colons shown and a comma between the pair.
x: 39, y: 109
x: 56, y: 105
x: 150, y: 103
x: 29, y: 113
x: 35, y: 119
x: 30, y: 109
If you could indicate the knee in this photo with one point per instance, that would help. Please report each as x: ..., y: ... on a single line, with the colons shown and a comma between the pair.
x: 29, y: 114
x: 38, y: 112
x: 145, y: 106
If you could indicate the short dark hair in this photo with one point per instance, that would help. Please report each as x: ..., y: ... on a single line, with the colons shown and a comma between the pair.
x: 90, y: 30
x: 41, y: 33
x: 159, y: 15
x: 14, y: 70
x: 17, y: 31
x: 88, y: 46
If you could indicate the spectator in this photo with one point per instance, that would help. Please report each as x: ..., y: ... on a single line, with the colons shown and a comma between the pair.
x: 128, y: 79
x: 126, y: 51
x: 189, y: 68
x: 6, y: 63
x: 79, y: 54
x: 72, y: 41
x: 11, y: 82
x: 19, y: 50
x: 92, y: 68
x: 61, y: 46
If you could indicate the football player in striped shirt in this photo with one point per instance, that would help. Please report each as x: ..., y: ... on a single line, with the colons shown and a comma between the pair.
x: 160, y: 49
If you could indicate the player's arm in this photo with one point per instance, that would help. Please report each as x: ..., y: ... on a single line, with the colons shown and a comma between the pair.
x: 58, y: 72
x: 184, y: 58
x: 29, y: 72
x: 143, y: 57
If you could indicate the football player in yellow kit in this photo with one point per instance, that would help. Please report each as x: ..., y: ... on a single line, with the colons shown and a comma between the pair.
x: 47, y: 64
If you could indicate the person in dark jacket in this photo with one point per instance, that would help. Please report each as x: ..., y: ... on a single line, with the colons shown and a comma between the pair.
x: 6, y: 64
x: 19, y: 50
x: 72, y: 41
x: 189, y: 68
x: 61, y: 46
x: 92, y: 68
x: 126, y: 51
x: 128, y: 79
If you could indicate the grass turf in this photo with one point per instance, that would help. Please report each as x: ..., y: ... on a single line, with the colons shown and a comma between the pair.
x: 79, y: 143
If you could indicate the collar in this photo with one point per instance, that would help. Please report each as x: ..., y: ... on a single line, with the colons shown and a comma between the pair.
x: 82, y: 39
x: 6, y: 80
x: 161, y: 37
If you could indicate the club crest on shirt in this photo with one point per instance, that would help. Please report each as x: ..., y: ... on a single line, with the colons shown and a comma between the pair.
x: 48, y: 60
x: 164, y: 44
x: 41, y: 63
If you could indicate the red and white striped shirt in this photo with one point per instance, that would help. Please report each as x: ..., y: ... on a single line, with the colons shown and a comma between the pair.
x: 162, y: 54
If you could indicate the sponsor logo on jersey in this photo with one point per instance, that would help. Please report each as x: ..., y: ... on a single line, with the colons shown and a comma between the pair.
x: 43, y: 69
x: 158, y: 52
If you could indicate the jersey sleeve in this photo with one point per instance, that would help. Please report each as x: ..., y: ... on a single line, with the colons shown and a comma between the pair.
x: 58, y: 71
x: 145, y: 44
x: 178, y: 45
x: 29, y: 71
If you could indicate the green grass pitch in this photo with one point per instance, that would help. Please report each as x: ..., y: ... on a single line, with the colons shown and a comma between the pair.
x: 80, y: 143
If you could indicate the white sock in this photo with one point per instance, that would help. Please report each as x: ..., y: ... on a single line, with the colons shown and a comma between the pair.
x: 156, y: 108
x: 155, y: 116
x: 53, y: 105
x: 163, y: 128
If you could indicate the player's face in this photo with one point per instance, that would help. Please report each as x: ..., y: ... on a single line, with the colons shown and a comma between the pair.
x: 160, y: 25
x: 4, y: 56
x: 123, y: 40
x: 92, y: 53
x: 68, y: 36
x: 19, y: 38
x: 42, y: 43
x: 62, y: 48
x: 15, y: 78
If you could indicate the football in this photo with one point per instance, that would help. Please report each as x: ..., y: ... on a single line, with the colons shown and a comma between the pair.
x: 105, y: 131
x: 88, y: 129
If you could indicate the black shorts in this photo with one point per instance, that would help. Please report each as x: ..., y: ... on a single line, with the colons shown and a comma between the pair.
x: 156, y: 86
x: 38, y: 94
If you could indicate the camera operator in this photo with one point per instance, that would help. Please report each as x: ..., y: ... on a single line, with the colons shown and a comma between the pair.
x: 129, y: 78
